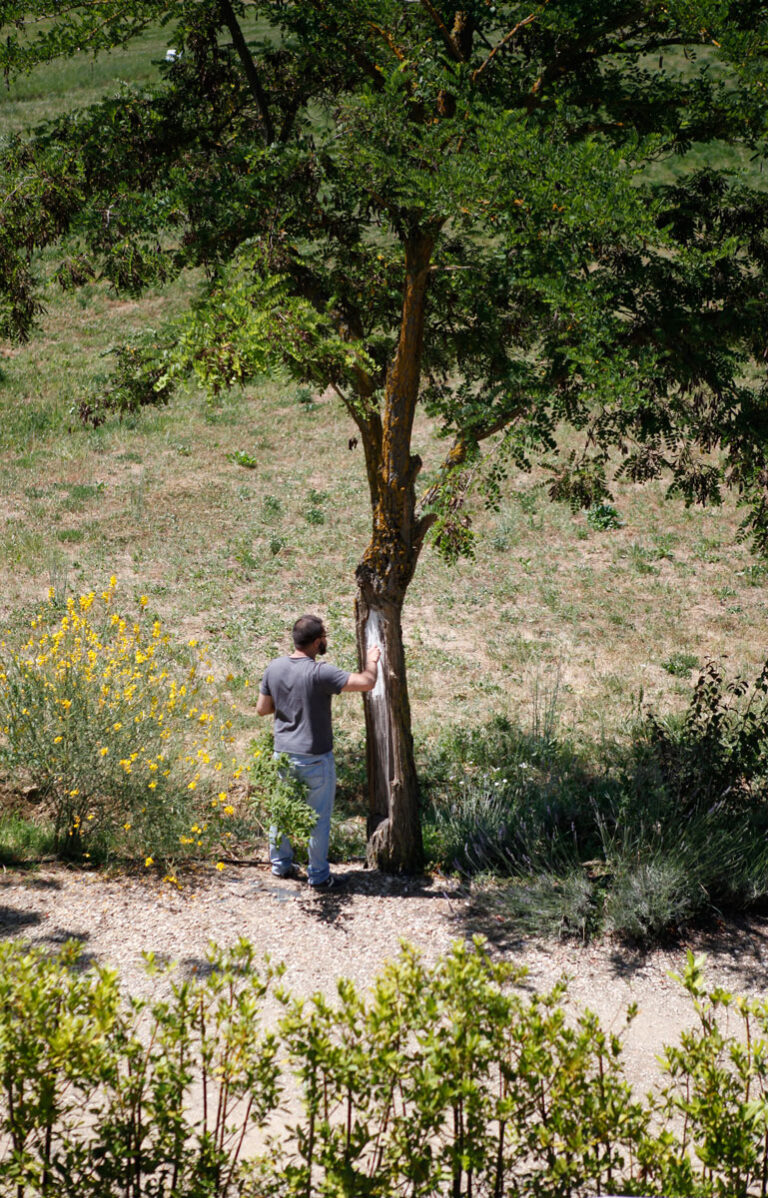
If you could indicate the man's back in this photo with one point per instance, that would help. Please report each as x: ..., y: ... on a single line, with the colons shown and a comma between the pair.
x: 301, y: 690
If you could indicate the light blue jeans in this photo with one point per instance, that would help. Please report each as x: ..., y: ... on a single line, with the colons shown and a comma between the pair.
x: 318, y: 773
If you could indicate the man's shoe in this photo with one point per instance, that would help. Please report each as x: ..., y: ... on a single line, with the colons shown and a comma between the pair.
x: 333, y: 884
x: 292, y: 872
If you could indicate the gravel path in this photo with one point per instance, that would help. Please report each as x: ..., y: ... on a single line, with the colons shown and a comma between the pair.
x: 321, y: 938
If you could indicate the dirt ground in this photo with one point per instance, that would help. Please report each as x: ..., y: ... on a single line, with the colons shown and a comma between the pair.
x: 322, y: 938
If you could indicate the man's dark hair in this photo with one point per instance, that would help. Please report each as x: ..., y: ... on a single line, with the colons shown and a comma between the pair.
x: 306, y: 630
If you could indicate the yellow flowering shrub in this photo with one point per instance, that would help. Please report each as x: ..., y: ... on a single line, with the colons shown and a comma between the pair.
x: 121, y: 730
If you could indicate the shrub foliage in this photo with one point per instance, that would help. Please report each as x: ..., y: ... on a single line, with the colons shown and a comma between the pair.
x: 120, y: 730
x: 638, y: 839
x: 440, y: 1080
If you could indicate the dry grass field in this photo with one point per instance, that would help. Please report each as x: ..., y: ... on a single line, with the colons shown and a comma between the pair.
x: 609, y: 619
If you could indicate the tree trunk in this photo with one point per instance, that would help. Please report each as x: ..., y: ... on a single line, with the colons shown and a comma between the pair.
x: 387, y: 567
x: 394, y: 828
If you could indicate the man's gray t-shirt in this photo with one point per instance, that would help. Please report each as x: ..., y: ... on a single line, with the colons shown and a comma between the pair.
x: 301, y: 690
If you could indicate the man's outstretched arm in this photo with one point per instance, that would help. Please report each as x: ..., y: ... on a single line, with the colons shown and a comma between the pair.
x: 366, y: 680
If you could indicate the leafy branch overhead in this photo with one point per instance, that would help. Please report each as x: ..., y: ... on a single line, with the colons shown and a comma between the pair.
x: 318, y: 159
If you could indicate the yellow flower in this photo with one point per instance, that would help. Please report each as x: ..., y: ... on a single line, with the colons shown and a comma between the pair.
x: 143, y: 600
x: 127, y: 827
x: 103, y: 751
x: 73, y: 793
x: 223, y: 796
x: 229, y: 810
x: 220, y: 865
x: 57, y: 740
x: 149, y: 861
x: 152, y: 785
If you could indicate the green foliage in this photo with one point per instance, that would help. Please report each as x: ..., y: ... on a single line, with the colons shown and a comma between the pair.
x: 440, y: 1080
x: 718, y: 755
x: 680, y: 664
x: 278, y: 796
x: 301, y: 162
x: 70, y: 1043
x: 23, y: 839
x: 242, y: 458
x: 603, y: 516
x: 140, y: 377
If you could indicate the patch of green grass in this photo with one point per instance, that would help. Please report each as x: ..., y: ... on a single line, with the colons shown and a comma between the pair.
x: 24, y: 840
x: 680, y: 664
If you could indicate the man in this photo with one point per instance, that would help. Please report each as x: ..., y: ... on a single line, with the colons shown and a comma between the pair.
x: 298, y: 691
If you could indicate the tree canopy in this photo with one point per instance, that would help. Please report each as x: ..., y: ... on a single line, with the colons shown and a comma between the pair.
x: 522, y: 216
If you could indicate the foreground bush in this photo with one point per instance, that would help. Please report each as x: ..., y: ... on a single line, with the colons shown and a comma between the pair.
x: 439, y: 1081
x: 118, y: 729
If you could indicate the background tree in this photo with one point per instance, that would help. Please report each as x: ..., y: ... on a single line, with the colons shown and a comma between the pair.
x: 490, y: 210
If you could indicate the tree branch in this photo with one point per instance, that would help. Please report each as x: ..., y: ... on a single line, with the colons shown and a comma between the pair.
x: 387, y: 37
x: 251, y: 74
x: 505, y: 41
x: 456, y: 457
x: 444, y: 31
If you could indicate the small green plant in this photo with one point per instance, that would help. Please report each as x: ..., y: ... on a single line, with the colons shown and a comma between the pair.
x: 244, y: 555
x: 305, y: 399
x: 642, y: 559
x: 271, y: 507
x: 141, y: 377
x: 604, y: 516
x: 680, y: 664
x: 314, y: 515
x: 23, y: 839
x: 279, y: 798
x: 241, y: 458
x: 755, y: 574
x: 528, y: 501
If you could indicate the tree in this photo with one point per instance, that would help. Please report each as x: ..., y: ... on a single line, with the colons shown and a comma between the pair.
x: 491, y: 210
